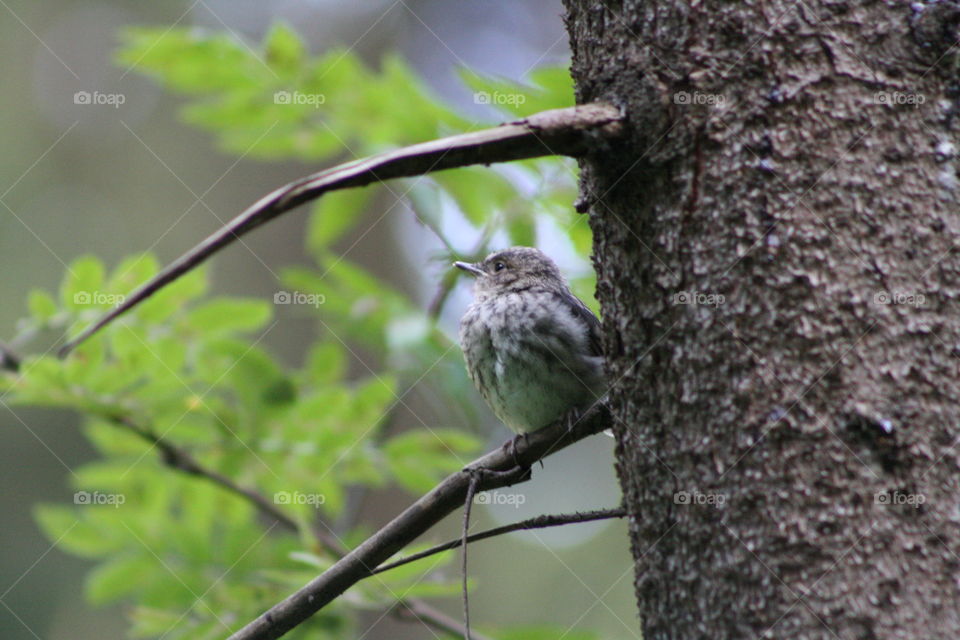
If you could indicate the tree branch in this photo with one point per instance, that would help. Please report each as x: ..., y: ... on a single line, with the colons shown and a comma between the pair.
x: 418, y: 518
x: 539, y: 522
x: 9, y: 360
x: 570, y: 131
x: 181, y: 460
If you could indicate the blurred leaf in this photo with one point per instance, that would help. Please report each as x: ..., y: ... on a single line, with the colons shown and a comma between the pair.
x: 310, y: 107
x: 42, y: 306
x: 283, y: 46
x: 72, y: 533
x: 229, y: 315
x: 544, y: 633
x: 479, y: 192
x: 552, y: 88
x: 418, y: 459
x: 326, y: 362
x: 82, y: 283
x: 334, y: 214
x: 152, y: 622
x: 117, y: 578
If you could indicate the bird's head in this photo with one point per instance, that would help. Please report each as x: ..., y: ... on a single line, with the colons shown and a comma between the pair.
x: 514, y: 269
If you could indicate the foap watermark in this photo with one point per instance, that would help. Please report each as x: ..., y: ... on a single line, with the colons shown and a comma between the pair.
x: 699, y: 298
x: 899, y: 98
x: 700, y: 499
x: 899, y: 498
x: 696, y: 97
x: 98, y: 298
x: 497, y: 497
x: 98, y: 497
x: 298, y: 297
x: 902, y: 298
x: 298, y: 97
x: 298, y: 497
x: 499, y: 98
x: 99, y: 98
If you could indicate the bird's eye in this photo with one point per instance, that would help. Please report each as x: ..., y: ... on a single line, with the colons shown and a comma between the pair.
x: 499, y: 266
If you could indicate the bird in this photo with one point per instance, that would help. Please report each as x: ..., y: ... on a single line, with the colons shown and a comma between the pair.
x: 531, y: 347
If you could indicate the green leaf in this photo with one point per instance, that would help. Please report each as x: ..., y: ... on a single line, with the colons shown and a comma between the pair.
x: 152, y: 622
x: 42, y: 306
x: 522, y: 229
x: 581, y: 236
x: 64, y: 527
x: 552, y: 89
x: 334, y: 214
x: 192, y: 60
x: 544, y: 633
x: 418, y: 459
x: 479, y: 192
x: 117, y: 578
x: 226, y: 315
x: 283, y: 47
x: 82, y: 286
x: 132, y: 272
x: 159, y: 307
x: 326, y: 362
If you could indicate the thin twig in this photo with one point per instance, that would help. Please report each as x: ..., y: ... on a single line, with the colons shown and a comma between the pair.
x: 180, y: 460
x: 572, y: 131
x: 356, y: 495
x: 450, y: 278
x: 438, y: 619
x: 447, y: 283
x: 9, y: 360
x: 415, y: 520
x: 468, y: 503
x: 539, y: 522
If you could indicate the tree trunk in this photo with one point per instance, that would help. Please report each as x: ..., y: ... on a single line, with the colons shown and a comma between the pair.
x: 775, y: 246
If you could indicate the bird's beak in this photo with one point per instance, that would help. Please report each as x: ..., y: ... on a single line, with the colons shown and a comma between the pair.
x: 472, y: 269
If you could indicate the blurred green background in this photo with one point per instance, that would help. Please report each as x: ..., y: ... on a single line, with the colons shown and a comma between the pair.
x: 115, y: 181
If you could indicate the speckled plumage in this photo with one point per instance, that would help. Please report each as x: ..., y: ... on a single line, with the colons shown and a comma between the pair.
x: 531, y: 347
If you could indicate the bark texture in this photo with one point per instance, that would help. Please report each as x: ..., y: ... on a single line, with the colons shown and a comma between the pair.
x: 778, y: 274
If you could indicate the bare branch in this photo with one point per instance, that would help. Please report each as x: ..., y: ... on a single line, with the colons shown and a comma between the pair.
x: 418, y: 610
x: 570, y: 131
x: 539, y: 522
x: 9, y: 360
x: 418, y: 518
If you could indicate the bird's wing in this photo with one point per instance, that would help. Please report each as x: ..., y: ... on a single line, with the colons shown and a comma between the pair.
x: 581, y: 311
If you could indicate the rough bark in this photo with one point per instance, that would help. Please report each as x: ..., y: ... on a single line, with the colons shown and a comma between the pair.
x: 791, y: 169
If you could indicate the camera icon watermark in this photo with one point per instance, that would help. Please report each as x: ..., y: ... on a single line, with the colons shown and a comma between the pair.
x: 497, y: 98
x: 298, y: 297
x: 98, y: 98
x: 298, y: 497
x: 99, y: 498
x: 699, y: 298
x: 298, y: 97
x: 901, y: 298
x: 899, y: 98
x: 98, y: 298
x: 698, y: 98
x: 700, y: 499
x: 498, y: 497
x: 899, y: 498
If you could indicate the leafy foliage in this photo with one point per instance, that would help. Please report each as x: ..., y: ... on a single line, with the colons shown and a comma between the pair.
x: 189, y: 372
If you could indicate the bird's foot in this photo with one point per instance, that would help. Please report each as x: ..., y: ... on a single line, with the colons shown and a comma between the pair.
x: 511, y: 447
x: 572, y: 417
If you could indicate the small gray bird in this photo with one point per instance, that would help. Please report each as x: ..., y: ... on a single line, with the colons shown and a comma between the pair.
x: 532, y: 348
